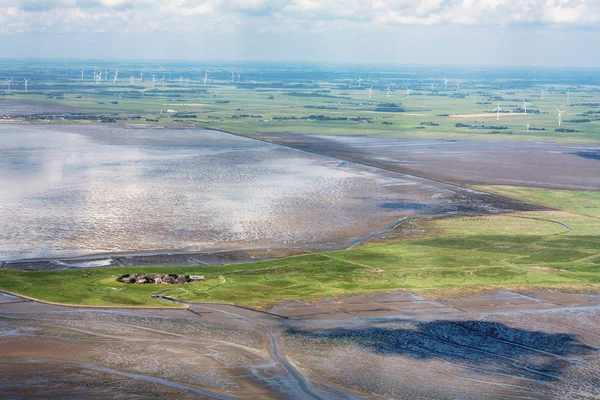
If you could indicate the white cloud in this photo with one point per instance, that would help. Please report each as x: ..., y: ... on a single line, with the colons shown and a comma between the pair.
x: 394, y: 18
x: 281, y: 15
x: 568, y: 12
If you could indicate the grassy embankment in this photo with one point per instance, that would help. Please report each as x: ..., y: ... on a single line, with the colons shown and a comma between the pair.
x: 452, y: 256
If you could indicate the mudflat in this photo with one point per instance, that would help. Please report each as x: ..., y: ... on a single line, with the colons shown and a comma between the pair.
x: 502, y: 344
x: 11, y: 108
x: 467, y: 162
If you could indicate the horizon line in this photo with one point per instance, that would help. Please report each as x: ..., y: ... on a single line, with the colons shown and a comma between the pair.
x: 293, y: 62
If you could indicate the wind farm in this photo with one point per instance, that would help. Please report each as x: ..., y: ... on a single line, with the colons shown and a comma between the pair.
x: 469, y: 101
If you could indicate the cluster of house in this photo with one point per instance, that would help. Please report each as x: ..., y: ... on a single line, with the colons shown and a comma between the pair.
x: 159, y: 278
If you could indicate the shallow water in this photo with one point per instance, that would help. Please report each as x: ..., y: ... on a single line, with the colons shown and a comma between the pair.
x: 77, y: 190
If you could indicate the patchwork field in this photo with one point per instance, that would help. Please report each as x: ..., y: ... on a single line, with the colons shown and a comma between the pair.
x: 320, y: 101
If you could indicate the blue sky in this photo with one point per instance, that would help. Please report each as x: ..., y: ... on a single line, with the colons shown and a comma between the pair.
x: 475, y: 32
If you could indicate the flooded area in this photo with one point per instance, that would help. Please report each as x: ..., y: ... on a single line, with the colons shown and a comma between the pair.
x: 502, y: 344
x: 468, y: 162
x: 75, y: 190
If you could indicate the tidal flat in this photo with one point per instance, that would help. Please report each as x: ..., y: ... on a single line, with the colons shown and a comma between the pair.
x: 78, y: 190
x: 541, y: 164
x: 503, y: 344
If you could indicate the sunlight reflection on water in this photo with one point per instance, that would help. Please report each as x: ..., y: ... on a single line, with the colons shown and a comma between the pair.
x: 71, y: 190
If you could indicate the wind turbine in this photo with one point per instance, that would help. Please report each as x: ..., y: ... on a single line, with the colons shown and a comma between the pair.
x: 26, y: 82
x: 132, y: 80
x: 141, y: 76
x: 238, y: 77
x: 115, y: 77
x: 445, y: 84
x: 8, y: 82
x: 370, y: 91
x: 407, y: 93
x: 205, y: 78
x: 498, y: 112
x: 524, y: 107
x: 559, y: 116
x: 180, y: 80
x: 232, y: 77
x: 153, y: 79
x: 388, y: 91
x: 433, y: 86
x: 359, y: 80
x: 543, y: 90
x: 457, y: 86
x: 82, y: 71
x: 527, y: 127
x: 162, y: 80
x: 105, y: 74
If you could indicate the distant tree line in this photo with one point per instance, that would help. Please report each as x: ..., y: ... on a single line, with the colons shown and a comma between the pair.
x: 322, y: 118
x: 315, y: 94
x: 389, y: 107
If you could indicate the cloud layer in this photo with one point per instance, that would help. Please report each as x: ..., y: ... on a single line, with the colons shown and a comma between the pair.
x: 283, y: 15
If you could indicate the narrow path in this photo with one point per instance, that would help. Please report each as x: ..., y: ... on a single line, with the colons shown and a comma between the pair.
x: 545, y: 220
x: 589, y: 258
x: 118, y: 261
x: 376, y: 233
x: 304, y: 389
x: 395, y: 224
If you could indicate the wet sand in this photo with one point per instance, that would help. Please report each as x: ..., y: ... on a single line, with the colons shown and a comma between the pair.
x: 503, y: 344
x: 14, y: 108
x: 465, y: 162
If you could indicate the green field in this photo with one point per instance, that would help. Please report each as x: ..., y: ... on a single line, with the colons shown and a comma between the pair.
x: 554, y: 249
x: 245, y: 109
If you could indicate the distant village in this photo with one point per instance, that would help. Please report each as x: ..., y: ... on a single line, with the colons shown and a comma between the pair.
x: 172, y: 279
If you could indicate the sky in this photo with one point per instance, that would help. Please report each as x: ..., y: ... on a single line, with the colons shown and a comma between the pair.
x: 470, y: 32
